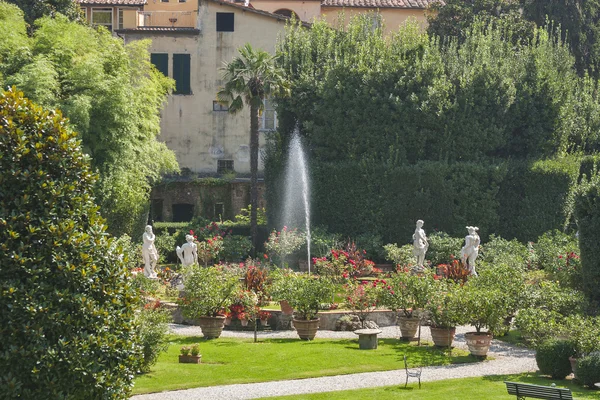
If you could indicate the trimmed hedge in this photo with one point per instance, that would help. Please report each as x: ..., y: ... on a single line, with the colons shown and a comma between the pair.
x: 587, y: 215
x: 552, y: 358
x: 588, y: 369
x: 512, y: 199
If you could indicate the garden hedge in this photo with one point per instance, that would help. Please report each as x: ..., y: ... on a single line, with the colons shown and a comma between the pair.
x: 587, y: 215
x: 67, y: 306
x: 552, y: 358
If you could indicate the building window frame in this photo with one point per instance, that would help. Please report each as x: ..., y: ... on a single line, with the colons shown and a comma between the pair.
x: 224, y: 166
x: 225, y: 22
x: 183, y: 85
x: 103, y: 10
x: 219, y: 107
x: 267, y: 121
x: 120, y: 18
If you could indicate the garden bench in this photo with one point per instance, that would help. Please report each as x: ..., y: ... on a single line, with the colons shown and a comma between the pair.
x: 523, y: 390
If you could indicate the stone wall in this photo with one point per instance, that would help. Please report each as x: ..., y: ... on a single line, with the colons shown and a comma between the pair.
x: 208, y: 197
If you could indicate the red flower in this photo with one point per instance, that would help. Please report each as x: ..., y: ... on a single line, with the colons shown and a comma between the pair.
x: 265, y: 256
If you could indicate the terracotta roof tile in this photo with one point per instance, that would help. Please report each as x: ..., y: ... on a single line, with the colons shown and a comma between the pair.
x: 112, y: 2
x: 160, y: 29
x: 419, y: 4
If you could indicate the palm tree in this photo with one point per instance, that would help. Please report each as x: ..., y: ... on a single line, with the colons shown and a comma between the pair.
x: 250, y: 78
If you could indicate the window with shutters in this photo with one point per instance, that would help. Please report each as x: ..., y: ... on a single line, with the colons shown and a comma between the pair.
x: 181, y: 73
x: 161, y: 62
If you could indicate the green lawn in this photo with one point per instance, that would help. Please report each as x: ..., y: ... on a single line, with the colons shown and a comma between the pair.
x: 486, y: 388
x: 228, y: 361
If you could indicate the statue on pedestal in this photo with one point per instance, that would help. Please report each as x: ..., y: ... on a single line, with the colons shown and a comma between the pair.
x: 149, y: 253
x: 470, y: 250
x: 420, y: 244
x: 188, y: 253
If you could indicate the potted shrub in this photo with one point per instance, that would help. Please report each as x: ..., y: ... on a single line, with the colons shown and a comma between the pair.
x: 444, y: 312
x: 207, y: 292
x: 408, y: 294
x: 304, y: 293
x: 484, y: 308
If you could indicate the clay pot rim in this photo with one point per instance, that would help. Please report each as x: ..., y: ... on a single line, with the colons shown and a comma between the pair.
x: 479, y: 333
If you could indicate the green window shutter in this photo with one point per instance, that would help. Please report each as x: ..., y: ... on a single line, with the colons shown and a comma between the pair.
x: 181, y: 73
x: 161, y: 62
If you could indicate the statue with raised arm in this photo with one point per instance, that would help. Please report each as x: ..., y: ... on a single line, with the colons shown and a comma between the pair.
x: 420, y: 244
x: 188, y: 253
x: 470, y: 250
x: 149, y: 253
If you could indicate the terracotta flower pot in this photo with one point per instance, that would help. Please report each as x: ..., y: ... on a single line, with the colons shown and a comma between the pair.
x: 212, y: 326
x: 408, y: 327
x: 264, y: 322
x: 286, y: 308
x: 227, y: 321
x: 573, y: 362
x: 307, y: 329
x: 442, y: 337
x: 244, y: 322
x: 478, y: 343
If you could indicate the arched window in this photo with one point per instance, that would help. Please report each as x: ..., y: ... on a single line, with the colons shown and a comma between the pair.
x: 286, y: 13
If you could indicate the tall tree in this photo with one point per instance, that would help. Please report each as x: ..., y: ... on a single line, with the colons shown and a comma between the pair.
x: 112, y: 96
x: 250, y: 78
x: 35, y: 9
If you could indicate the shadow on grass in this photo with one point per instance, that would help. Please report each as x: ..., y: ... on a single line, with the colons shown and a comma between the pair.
x: 538, y: 379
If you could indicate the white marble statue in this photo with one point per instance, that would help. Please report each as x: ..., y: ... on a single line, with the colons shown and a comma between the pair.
x: 470, y: 250
x: 188, y: 253
x: 420, y: 244
x: 149, y: 253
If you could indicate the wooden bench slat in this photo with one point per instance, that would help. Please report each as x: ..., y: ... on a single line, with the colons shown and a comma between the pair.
x: 538, y: 391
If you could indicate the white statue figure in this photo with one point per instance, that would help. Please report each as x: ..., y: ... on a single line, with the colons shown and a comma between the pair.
x: 188, y: 253
x: 470, y: 250
x: 420, y: 244
x: 149, y: 253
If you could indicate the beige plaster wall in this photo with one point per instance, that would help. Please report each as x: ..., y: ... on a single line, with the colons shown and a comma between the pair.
x: 198, y: 135
x: 306, y: 10
x: 392, y: 17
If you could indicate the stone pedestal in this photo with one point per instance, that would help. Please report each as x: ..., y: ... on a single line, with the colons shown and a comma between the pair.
x: 367, y: 338
x: 284, y: 322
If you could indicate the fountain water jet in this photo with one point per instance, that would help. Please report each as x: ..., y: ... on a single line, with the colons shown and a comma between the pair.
x: 296, y: 206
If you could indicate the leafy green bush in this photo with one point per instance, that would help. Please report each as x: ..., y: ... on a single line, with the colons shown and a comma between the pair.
x: 372, y: 244
x: 538, y: 325
x: 67, y: 307
x: 322, y: 242
x: 303, y: 292
x: 498, y: 250
x: 153, y: 329
x: 401, y: 256
x: 131, y: 251
x: 552, y: 358
x: 588, y: 369
x: 208, y: 290
x: 442, y: 247
x: 236, y: 248
x: 165, y: 246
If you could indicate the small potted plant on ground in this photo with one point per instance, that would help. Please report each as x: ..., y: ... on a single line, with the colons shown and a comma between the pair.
x: 304, y: 293
x: 190, y: 354
x: 207, y: 292
x: 444, y: 312
x: 408, y: 293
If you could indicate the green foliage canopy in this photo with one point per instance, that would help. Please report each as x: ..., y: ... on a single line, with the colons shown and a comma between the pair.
x: 405, y: 128
x: 112, y: 96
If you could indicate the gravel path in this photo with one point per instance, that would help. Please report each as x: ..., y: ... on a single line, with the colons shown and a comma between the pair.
x: 507, y: 360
